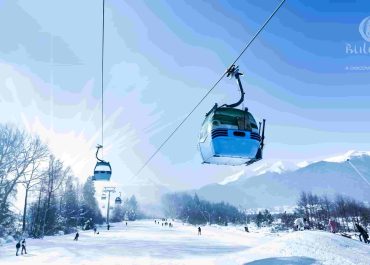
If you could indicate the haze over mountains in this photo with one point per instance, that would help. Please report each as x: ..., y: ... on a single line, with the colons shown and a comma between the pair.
x: 277, y: 186
x: 273, y: 185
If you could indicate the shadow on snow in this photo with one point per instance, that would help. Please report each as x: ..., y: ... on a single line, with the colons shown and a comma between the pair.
x: 284, y: 261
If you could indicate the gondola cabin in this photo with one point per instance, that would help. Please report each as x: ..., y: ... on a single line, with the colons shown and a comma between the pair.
x: 118, y: 201
x: 102, y: 171
x: 230, y: 136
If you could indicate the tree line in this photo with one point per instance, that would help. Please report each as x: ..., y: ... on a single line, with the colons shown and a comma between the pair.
x: 317, y: 211
x: 193, y: 210
x: 128, y: 211
x: 53, y: 198
x: 343, y: 210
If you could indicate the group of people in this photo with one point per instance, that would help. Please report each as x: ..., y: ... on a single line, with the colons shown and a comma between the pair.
x: 164, y: 222
x: 302, y: 224
x: 363, y: 236
x: 21, y: 243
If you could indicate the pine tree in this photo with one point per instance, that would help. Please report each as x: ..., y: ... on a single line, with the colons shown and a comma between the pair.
x: 267, y: 217
x: 259, y: 219
x: 71, y: 209
x: 90, y: 213
x: 132, y: 208
x: 118, y: 214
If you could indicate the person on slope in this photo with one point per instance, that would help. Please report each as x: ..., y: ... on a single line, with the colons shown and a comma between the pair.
x: 76, y: 236
x: 199, y: 231
x: 332, y: 226
x: 18, y: 246
x: 363, y: 233
x: 24, y: 246
x: 95, y: 230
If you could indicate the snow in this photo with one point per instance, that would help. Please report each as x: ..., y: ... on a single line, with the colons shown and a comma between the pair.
x: 143, y: 242
x: 277, y: 167
x: 259, y: 169
x: 303, y: 164
x: 348, y: 155
x: 232, y: 178
x: 9, y: 239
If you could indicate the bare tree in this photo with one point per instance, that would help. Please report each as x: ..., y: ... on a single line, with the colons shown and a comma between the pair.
x: 303, y: 204
x: 11, y: 154
x: 55, y: 175
x: 34, y: 173
x: 13, y: 159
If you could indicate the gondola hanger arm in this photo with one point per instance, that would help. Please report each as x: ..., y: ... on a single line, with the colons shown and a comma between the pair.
x: 97, y: 151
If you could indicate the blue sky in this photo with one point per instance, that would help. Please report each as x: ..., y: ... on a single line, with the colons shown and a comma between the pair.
x: 161, y: 58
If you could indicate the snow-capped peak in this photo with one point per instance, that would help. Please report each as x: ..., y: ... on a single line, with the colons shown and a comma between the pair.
x: 303, y: 164
x: 347, y: 155
x: 232, y: 178
x: 276, y: 167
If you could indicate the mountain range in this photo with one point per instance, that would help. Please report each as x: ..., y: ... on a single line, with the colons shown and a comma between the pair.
x: 277, y: 186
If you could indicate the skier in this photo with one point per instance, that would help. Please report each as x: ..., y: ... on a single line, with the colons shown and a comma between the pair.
x: 76, y: 236
x: 95, y: 230
x: 363, y: 233
x: 108, y: 226
x: 199, y: 231
x: 126, y: 223
x: 246, y: 229
x: 24, y: 246
x: 332, y: 225
x: 17, y: 246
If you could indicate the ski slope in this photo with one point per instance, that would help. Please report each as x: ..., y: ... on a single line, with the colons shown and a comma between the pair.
x: 143, y: 242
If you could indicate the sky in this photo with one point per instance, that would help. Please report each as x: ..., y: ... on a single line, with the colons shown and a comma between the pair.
x: 302, y: 74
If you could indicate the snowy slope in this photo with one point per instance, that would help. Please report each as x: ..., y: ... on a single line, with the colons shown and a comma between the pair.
x: 144, y: 242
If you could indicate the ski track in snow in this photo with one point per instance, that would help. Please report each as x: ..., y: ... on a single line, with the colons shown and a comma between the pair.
x: 143, y: 242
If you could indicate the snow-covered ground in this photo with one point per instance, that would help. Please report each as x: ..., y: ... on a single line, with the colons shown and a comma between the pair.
x: 143, y: 242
